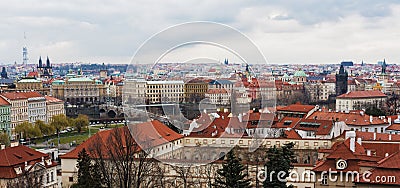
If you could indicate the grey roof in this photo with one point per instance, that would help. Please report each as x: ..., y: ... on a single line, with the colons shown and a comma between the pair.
x: 6, y: 81
x: 220, y: 82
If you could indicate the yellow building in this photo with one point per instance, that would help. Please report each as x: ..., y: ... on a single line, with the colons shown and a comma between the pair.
x: 195, y: 90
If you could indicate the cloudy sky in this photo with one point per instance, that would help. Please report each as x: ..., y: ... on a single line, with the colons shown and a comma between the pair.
x: 308, y: 31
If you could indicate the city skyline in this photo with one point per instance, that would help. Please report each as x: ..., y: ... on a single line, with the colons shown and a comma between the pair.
x: 307, y: 32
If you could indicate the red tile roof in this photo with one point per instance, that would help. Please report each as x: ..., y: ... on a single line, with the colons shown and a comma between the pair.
x: 381, y: 149
x: 341, y: 150
x: 394, y: 127
x: 156, y: 131
x: 52, y: 99
x: 287, y: 122
x: 297, y: 108
x: 16, y: 157
x: 14, y: 96
x: 362, y: 94
x: 33, y: 74
x: 322, y: 127
x: 292, y: 134
x: 385, y: 168
x: 31, y: 94
x: 355, y: 119
x: 392, y: 161
x: 3, y: 102
x: 378, y: 136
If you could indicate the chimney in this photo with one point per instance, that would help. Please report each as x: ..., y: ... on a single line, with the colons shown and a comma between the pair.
x: 359, y: 141
x: 369, y: 152
x: 386, y: 154
x: 374, y: 135
x: 370, y: 119
x: 225, y: 110
x: 352, y: 136
x: 390, y: 137
x: 3, y: 146
x: 390, y: 120
x: 42, y: 159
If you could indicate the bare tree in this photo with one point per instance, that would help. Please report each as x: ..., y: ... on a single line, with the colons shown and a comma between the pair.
x: 30, y: 178
x: 121, y: 161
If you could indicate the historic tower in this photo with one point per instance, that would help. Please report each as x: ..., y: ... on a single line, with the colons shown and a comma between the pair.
x: 45, y: 71
x: 341, y: 81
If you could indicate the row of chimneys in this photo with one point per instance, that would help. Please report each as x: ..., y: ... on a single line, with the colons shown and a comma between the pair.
x: 352, y: 136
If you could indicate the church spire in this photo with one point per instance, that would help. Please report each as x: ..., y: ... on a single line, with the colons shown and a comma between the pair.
x: 47, y: 62
x: 384, y: 66
x: 341, y: 70
x: 40, y: 61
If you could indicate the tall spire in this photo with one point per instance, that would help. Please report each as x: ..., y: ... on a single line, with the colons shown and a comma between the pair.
x: 40, y: 61
x: 47, y: 62
x: 341, y: 70
x: 384, y: 66
x: 25, y: 53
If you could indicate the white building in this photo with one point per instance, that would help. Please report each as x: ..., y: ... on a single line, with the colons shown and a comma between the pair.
x: 164, y: 91
x: 358, y: 100
x: 36, y: 106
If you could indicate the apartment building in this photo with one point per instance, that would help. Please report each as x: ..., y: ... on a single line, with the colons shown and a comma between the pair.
x: 164, y: 91
x: 54, y: 107
x: 358, y: 100
x: 19, y: 108
x: 5, y: 112
x: 36, y: 106
x: 80, y: 90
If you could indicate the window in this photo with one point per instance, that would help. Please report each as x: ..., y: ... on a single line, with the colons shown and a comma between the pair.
x: 71, y: 179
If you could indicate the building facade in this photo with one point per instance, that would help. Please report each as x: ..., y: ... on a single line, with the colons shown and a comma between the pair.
x: 54, y: 107
x: 195, y: 90
x: 26, y: 167
x: 358, y: 100
x: 36, y: 106
x: 164, y: 91
x: 5, y: 116
x: 19, y: 109
x: 341, y: 81
x: 79, y: 91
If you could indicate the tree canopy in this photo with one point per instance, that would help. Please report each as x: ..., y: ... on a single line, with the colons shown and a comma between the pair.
x: 87, y: 173
x: 28, y: 130
x: 80, y: 122
x: 59, y: 122
x: 231, y: 174
x: 45, y: 128
x: 278, y: 165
